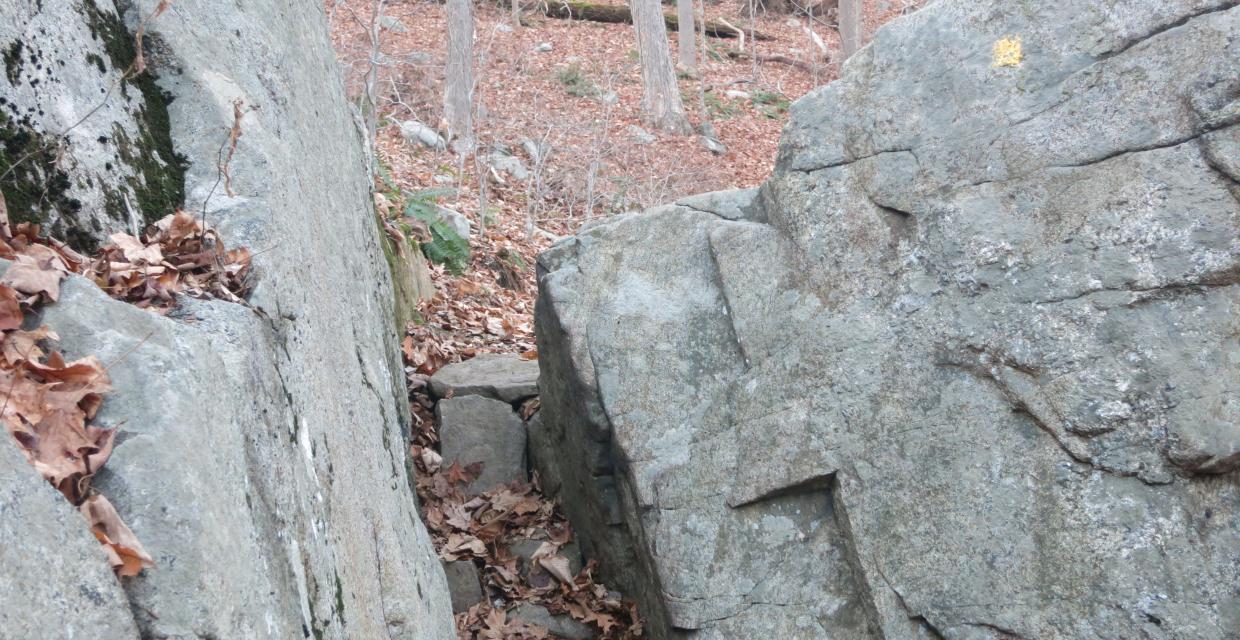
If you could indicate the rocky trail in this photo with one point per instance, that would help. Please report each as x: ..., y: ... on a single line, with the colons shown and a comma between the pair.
x: 513, y: 565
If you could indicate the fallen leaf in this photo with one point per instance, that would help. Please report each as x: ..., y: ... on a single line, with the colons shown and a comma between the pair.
x: 558, y: 567
x: 125, y: 553
x: 10, y: 309
x: 136, y: 252
x: 27, y: 276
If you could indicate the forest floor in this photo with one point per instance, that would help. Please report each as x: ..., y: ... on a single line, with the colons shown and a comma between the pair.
x: 581, y: 100
x: 571, y: 89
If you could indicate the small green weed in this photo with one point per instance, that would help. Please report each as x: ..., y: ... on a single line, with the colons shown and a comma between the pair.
x: 576, y: 82
x: 720, y: 108
x: 772, y: 104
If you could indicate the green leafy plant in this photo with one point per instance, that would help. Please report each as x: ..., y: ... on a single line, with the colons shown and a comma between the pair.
x: 389, y: 184
x: 772, y: 104
x: 576, y: 82
x: 446, y: 246
x: 719, y: 108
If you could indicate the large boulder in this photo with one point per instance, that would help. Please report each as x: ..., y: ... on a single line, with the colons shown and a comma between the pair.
x: 261, y: 453
x: 967, y: 366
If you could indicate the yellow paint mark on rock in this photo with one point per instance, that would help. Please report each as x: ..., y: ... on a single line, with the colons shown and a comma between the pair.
x: 1007, y: 52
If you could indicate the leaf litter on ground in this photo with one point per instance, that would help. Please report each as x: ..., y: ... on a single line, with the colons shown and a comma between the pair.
x: 482, y: 529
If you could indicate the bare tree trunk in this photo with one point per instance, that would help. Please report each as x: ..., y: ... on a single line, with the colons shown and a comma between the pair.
x: 459, y: 82
x: 700, y: 7
x: 850, y: 28
x: 368, y: 101
x: 661, y: 104
x: 686, y: 46
x: 516, y: 14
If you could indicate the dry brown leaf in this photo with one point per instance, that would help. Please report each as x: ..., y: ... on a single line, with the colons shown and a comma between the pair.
x: 493, y: 625
x: 457, y: 516
x: 29, y: 277
x: 22, y: 345
x: 125, y: 553
x: 459, y: 545
x: 529, y: 408
x: 558, y: 567
x: 234, y: 135
x: 179, y: 226
x: 139, y: 62
x: 11, y: 315
x: 135, y: 252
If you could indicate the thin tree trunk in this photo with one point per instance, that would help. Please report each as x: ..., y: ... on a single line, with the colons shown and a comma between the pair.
x: 459, y: 82
x: 700, y: 7
x: 516, y: 14
x: 661, y: 104
x: 686, y: 47
x: 369, y: 99
x: 850, y: 28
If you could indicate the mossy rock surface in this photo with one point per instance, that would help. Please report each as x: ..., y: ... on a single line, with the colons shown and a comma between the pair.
x: 108, y: 162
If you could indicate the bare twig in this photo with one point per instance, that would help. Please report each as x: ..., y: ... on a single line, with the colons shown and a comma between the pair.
x: 740, y: 34
x: 224, y: 156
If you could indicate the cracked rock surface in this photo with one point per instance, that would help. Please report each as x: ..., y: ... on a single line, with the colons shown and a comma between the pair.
x: 966, y: 366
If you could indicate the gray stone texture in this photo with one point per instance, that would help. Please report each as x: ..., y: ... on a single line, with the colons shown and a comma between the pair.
x: 736, y: 204
x: 56, y: 582
x: 967, y: 368
x: 477, y: 429
x: 415, y: 132
x: 463, y: 584
x: 560, y: 626
x: 503, y: 377
x: 261, y: 455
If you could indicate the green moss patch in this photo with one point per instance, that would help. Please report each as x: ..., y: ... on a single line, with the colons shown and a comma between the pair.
x: 32, y: 183
x: 35, y: 186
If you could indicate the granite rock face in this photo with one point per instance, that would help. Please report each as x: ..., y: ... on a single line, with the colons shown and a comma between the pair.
x: 966, y: 366
x: 44, y: 535
x: 261, y: 452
